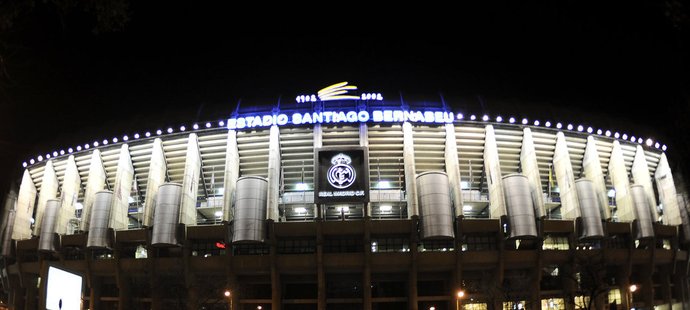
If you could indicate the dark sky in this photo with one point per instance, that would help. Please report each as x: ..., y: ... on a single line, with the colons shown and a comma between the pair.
x: 620, y: 66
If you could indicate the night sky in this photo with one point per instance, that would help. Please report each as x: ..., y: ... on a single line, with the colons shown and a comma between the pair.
x: 621, y: 66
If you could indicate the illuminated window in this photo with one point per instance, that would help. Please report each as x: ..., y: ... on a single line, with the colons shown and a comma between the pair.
x: 615, y: 296
x: 475, y: 306
x: 553, y: 304
x: 555, y: 242
x: 581, y: 302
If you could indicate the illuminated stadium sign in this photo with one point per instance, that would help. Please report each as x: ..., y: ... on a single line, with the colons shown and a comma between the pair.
x: 340, y: 116
x: 338, y: 91
x: 341, y: 175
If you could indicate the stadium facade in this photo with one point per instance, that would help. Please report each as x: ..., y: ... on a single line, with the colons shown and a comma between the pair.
x: 343, y: 200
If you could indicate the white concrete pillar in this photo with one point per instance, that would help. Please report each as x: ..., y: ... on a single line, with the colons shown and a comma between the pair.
x: 492, y: 169
x: 565, y: 178
x: 273, y: 173
x: 71, y: 183
x: 318, y: 142
x: 364, y: 141
x: 122, y: 190
x: 190, y: 181
x: 410, y: 170
x: 25, y: 208
x: 453, y: 169
x: 667, y: 192
x: 157, y: 172
x: 95, y: 182
x: 530, y: 168
x: 641, y: 176
x: 49, y: 187
x: 621, y: 183
x: 232, y: 173
x: 591, y: 165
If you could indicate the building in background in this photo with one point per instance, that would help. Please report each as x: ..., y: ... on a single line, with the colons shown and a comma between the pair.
x: 344, y: 200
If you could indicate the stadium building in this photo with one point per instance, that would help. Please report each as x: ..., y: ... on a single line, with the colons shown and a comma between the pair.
x: 344, y: 200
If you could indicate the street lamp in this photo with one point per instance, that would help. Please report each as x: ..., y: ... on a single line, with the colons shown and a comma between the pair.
x: 631, y: 290
x: 228, y: 294
x: 459, y: 295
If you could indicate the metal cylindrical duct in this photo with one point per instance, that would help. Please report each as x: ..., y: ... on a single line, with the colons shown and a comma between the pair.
x: 166, y: 215
x: 7, y: 236
x: 46, y: 240
x: 589, y: 210
x: 250, y: 209
x: 435, y: 208
x: 645, y: 229
x: 519, y: 206
x: 100, y: 217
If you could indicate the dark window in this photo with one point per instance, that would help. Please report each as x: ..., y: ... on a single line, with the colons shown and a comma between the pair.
x: 343, y: 286
x: 388, y: 289
x: 72, y: 253
x: 296, y: 246
x: 437, y: 245
x: 619, y: 242
x: 250, y: 249
x: 390, y: 244
x: 343, y: 245
x: 205, y: 248
x: 479, y: 243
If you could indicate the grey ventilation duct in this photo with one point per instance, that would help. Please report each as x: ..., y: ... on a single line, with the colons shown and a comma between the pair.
x: 46, y: 240
x: 590, y: 210
x: 100, y: 218
x: 166, y: 215
x: 435, y: 208
x: 250, y: 209
x: 645, y: 229
x: 519, y: 206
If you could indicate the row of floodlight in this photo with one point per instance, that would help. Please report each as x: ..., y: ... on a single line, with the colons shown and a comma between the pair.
x: 498, y: 119
x: 124, y: 138
x: 580, y: 128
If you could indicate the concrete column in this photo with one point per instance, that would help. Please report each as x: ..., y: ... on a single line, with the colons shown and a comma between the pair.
x: 591, y: 165
x: 122, y: 190
x: 232, y: 173
x: 190, y: 181
x: 530, y: 168
x: 641, y: 176
x: 366, y: 273
x: 318, y: 142
x: 320, y: 270
x: 17, y: 300
x: 684, y: 216
x: 94, y: 183
x: 453, y: 169
x: 95, y: 294
x: 71, y: 183
x: 25, y: 208
x: 410, y: 170
x: 273, y: 173
x: 492, y: 167
x: 412, y: 298
x: 31, y: 297
x: 667, y: 192
x: 49, y: 187
x: 193, y: 298
x: 570, y: 206
x: 364, y: 141
x: 156, y: 178
x: 620, y: 181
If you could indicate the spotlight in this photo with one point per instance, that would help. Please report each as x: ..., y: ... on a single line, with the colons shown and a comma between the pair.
x: 570, y: 127
x: 624, y: 136
x: 547, y: 124
x: 170, y: 130
x: 649, y: 142
x: 656, y: 145
x: 24, y: 164
x: 183, y: 128
x: 32, y: 161
x: 62, y: 152
x: 221, y: 123
x: 70, y: 150
x: 616, y: 135
x: 115, y: 140
x: 472, y: 117
x: 159, y: 132
x: 208, y: 125
x: 105, y: 142
x: 195, y: 126
x: 663, y: 147
x: 524, y: 121
x: 536, y: 123
x: 147, y: 134
x: 608, y: 133
x: 78, y: 147
x: 55, y: 153
x: 95, y: 143
x: 559, y: 125
x: 40, y: 158
x: 136, y: 136
x: 599, y: 131
x: 485, y: 118
x: 590, y: 130
x: 499, y: 119
x: 460, y: 116
x: 86, y: 146
x: 511, y: 120
x: 580, y: 128
x: 125, y: 138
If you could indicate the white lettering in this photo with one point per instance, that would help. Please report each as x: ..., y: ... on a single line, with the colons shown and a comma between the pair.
x: 377, y: 116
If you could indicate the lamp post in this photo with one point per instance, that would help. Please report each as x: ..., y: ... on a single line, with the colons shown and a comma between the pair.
x: 459, y: 295
x: 631, y: 290
x: 228, y: 294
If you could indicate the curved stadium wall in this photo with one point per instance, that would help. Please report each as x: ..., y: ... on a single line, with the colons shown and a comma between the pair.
x: 512, y: 212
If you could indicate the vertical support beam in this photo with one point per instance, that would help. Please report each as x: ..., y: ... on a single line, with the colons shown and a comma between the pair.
x: 366, y: 273
x: 32, y: 296
x: 667, y: 192
x: 591, y: 165
x: 570, y: 206
x: 123, y: 300
x: 318, y: 142
x: 49, y: 187
x: 492, y: 167
x: 621, y: 183
x: 273, y: 173
x: 410, y: 170
x: 684, y: 217
x: 25, y: 208
x: 157, y: 172
x: 71, y: 184
x: 94, y: 183
x: 453, y: 169
x: 412, y: 293
x: 95, y: 293
x: 122, y: 190
x: 641, y: 176
x: 364, y: 141
x: 190, y: 181
x: 530, y: 168
x: 232, y: 173
x: 320, y: 270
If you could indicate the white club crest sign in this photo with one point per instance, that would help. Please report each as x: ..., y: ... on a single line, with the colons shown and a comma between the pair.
x: 341, y: 175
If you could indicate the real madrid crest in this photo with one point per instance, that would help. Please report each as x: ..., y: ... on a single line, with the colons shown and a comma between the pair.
x: 341, y: 174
